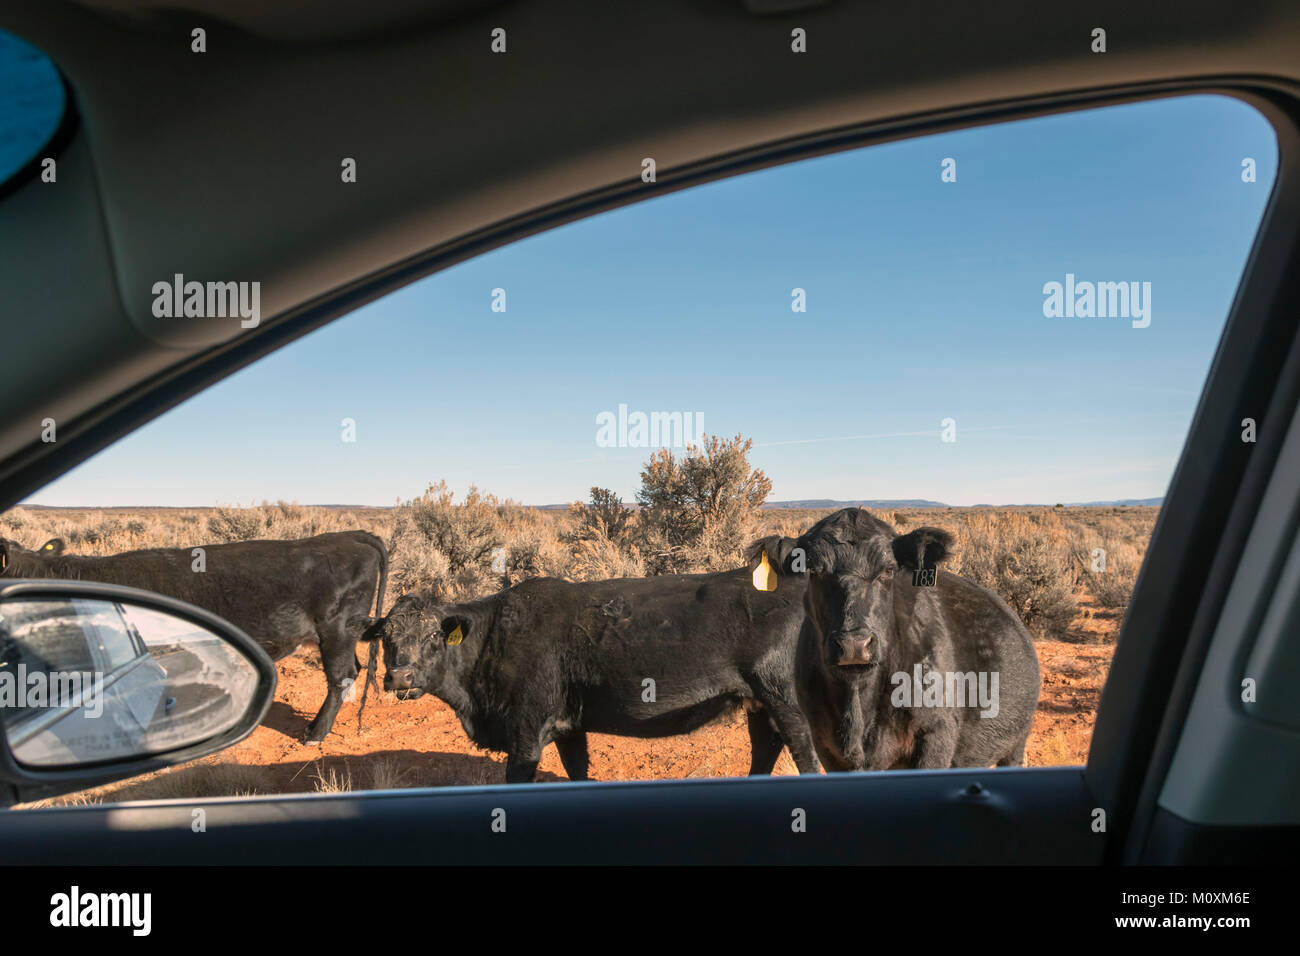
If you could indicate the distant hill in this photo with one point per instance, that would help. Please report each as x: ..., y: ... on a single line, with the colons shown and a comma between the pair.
x: 1122, y: 502
x: 885, y: 503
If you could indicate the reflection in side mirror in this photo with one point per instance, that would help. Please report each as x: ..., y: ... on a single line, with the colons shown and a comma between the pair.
x: 86, y: 680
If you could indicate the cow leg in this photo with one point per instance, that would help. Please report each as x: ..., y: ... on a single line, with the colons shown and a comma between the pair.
x: 1016, y: 758
x: 938, y: 747
x: 573, y: 754
x: 522, y: 767
x: 319, y: 726
x: 852, y: 728
x: 793, y: 730
x: 764, y: 743
x: 338, y: 659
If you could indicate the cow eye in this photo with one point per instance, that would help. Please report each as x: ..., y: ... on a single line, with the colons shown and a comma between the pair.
x: 887, y: 574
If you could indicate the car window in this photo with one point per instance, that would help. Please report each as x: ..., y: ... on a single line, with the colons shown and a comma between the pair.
x: 113, y: 641
x: 620, y: 463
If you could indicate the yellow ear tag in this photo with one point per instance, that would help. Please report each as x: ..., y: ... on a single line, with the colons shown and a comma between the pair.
x: 765, y: 575
x: 49, y: 547
x: 455, y: 637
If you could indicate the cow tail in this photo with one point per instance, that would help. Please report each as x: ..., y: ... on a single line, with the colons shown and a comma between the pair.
x: 372, y: 660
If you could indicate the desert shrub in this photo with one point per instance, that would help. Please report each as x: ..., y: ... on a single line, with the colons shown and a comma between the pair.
x: 1113, y: 588
x: 700, y: 511
x: 601, y: 539
x: 466, y: 533
x: 236, y: 524
x: 284, y: 512
x: 598, y: 558
x: 287, y: 520
x: 1028, y: 561
x: 417, y: 565
x: 98, y: 533
x: 281, y: 520
x: 534, y: 552
x: 603, y: 515
x: 434, y: 528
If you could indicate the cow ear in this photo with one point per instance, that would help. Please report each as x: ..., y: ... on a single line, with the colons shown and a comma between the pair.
x: 783, y: 554
x: 455, y: 628
x: 922, y: 549
x: 53, y: 547
x: 369, y: 628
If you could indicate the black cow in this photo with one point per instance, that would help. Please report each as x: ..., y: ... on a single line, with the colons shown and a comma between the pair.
x: 282, y: 593
x: 549, y: 660
x: 896, y: 671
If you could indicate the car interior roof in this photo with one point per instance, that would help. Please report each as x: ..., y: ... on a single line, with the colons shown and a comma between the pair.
x: 226, y: 164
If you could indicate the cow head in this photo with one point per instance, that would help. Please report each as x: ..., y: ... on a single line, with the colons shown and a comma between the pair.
x: 17, y: 561
x: 852, y: 559
x: 419, y: 637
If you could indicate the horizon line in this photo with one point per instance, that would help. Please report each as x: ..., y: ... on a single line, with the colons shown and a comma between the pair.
x: 810, y: 504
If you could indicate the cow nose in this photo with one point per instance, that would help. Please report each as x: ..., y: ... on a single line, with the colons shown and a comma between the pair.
x: 398, y: 678
x: 855, y: 650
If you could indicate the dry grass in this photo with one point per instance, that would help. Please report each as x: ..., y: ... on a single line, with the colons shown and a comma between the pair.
x: 202, y: 778
x: 1039, y: 560
x: 333, y: 779
x: 1028, y: 560
x: 386, y: 773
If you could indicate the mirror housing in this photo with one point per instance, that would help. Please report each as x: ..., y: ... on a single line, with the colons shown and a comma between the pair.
x: 22, y: 781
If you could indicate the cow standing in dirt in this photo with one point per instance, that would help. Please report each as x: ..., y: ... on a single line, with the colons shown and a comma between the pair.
x: 901, y: 664
x: 281, y: 593
x: 548, y: 660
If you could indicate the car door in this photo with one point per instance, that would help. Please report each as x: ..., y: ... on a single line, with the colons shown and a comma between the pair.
x: 1210, y: 542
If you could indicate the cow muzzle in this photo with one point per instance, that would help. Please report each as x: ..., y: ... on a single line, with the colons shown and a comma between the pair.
x: 855, y: 650
x: 399, y: 678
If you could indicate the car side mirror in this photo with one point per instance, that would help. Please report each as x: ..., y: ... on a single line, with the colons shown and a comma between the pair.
x: 100, y: 682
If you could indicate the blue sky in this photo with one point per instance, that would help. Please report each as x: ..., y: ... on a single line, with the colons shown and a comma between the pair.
x: 924, y: 302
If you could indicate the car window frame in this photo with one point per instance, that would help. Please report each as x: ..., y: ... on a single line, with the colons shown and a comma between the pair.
x: 1119, y: 767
